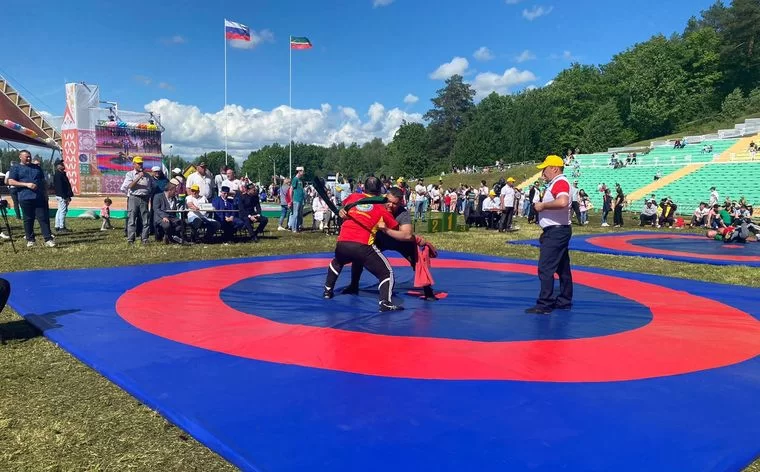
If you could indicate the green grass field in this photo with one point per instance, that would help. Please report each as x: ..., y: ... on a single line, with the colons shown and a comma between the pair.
x: 58, y: 415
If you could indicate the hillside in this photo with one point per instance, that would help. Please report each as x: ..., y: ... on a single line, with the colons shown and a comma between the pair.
x: 520, y: 173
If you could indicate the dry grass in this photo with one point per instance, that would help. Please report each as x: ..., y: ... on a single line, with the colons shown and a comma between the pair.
x: 57, y: 414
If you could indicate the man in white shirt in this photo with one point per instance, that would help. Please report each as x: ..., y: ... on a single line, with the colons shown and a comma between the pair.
x: 219, y: 180
x: 202, y: 178
x: 232, y: 182
x: 714, y: 197
x: 491, y: 209
x: 420, y: 202
x: 507, y: 205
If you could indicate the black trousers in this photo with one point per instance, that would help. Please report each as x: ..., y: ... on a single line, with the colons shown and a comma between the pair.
x: 5, y: 292
x: 618, y: 216
x: 170, y: 229
x: 262, y: 224
x: 648, y: 220
x: 505, y: 222
x: 368, y: 256
x: 39, y: 210
x: 577, y: 210
x: 554, y: 258
x: 14, y: 197
x: 408, y: 251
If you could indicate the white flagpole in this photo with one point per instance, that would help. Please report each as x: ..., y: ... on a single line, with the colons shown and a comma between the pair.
x: 290, y: 105
x: 225, y: 92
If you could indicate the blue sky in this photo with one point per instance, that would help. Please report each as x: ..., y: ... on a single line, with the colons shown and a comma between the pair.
x: 367, y: 58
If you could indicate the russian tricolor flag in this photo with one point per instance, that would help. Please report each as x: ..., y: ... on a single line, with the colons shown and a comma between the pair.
x: 234, y: 30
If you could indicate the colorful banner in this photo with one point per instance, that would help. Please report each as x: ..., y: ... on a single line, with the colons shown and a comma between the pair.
x: 98, y: 148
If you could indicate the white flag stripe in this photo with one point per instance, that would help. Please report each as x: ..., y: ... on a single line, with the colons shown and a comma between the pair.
x: 235, y: 25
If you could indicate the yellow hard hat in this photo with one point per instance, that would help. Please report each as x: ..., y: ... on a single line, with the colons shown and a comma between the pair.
x: 492, y: 193
x: 551, y: 161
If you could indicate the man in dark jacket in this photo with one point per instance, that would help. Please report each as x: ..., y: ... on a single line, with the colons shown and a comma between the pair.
x: 163, y: 215
x: 63, y: 194
x: 250, y: 211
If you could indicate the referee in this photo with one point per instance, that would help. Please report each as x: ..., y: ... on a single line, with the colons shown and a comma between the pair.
x: 554, y: 218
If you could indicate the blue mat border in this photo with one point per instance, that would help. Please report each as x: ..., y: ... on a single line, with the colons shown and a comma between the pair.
x: 206, y: 437
x: 580, y: 243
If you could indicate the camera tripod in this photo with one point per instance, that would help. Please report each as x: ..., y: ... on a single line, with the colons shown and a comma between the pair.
x: 4, y: 214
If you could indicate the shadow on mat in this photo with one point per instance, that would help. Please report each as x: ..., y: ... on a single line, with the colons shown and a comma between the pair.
x: 32, y: 326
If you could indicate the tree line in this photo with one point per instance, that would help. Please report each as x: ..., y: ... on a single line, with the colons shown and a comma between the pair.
x: 654, y: 88
x: 711, y: 70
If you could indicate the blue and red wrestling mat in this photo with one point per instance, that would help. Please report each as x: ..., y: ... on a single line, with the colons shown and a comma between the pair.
x: 675, y: 247
x: 644, y: 373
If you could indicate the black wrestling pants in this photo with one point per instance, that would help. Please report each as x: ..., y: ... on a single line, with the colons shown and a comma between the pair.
x: 368, y: 256
x: 407, y: 249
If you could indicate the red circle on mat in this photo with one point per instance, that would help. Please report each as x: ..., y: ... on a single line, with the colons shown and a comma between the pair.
x: 687, y: 333
x: 623, y: 243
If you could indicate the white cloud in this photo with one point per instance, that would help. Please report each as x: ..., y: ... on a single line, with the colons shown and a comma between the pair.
x: 411, y: 99
x: 381, y: 3
x: 483, y: 54
x: 513, y: 2
x: 143, y: 79
x: 536, y: 12
x: 165, y: 86
x: 263, y: 36
x: 176, y: 39
x: 457, y: 66
x: 193, y: 132
x: 548, y: 83
x: 488, y: 82
x: 565, y: 56
x: 525, y: 56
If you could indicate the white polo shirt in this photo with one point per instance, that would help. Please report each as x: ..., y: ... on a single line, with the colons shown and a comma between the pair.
x: 557, y: 187
x: 508, y: 196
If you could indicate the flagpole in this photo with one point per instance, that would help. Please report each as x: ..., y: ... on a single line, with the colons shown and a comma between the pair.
x: 225, y: 91
x: 290, y: 105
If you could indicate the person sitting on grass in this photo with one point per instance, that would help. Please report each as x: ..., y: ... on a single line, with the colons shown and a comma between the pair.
x: 667, y: 217
x: 700, y: 215
x: 648, y: 214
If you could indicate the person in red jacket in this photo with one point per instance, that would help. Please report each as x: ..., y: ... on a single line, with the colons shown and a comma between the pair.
x: 356, y: 244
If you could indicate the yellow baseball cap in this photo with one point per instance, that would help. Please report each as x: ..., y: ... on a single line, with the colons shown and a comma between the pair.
x: 195, y: 187
x: 510, y: 179
x: 137, y: 160
x: 551, y: 161
x: 492, y: 193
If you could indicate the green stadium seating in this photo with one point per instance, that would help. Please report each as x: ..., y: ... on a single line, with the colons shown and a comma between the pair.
x: 732, y: 179
x: 630, y: 178
x: 692, y: 153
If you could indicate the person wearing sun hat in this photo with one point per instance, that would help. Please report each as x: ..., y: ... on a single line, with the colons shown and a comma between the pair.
x: 554, y: 218
x: 138, y: 185
x: 507, y: 206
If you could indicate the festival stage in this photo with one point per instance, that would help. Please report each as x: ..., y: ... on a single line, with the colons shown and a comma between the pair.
x: 643, y: 373
x: 685, y: 247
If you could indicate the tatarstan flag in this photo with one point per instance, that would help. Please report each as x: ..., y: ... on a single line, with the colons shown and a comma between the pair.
x: 300, y: 42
